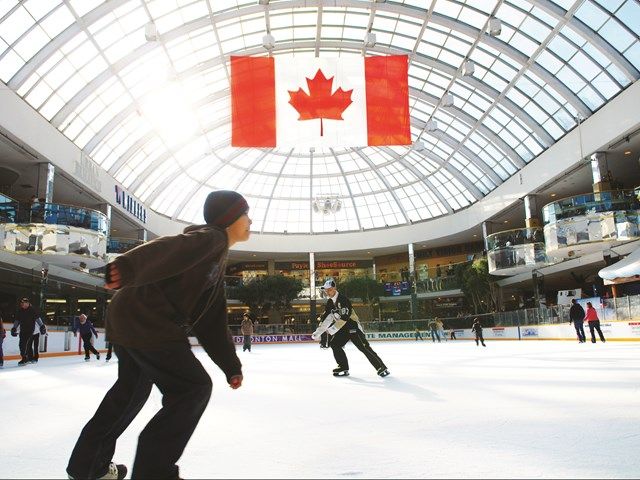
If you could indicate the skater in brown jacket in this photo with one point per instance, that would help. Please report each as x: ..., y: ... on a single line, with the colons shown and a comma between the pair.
x: 168, y: 289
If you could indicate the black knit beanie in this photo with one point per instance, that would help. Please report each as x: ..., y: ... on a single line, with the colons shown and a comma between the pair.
x: 223, y: 207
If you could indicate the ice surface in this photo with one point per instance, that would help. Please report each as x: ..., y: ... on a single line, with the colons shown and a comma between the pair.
x: 513, y: 409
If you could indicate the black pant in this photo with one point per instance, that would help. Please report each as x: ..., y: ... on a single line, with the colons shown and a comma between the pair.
x: 34, y: 347
x: 88, y: 346
x: 340, y: 339
x: 579, y: 326
x: 453, y: 335
x: 109, y: 350
x: 479, y: 338
x: 247, y: 343
x: 595, y: 325
x: 325, y: 338
x: 25, y: 347
x: 185, y: 388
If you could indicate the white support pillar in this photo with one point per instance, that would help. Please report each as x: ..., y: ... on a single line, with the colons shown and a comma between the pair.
x: 46, y: 173
x: 531, y: 211
x: 600, y: 172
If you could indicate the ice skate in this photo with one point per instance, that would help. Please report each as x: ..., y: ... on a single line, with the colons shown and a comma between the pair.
x: 22, y: 363
x: 383, y: 372
x: 116, y: 472
x: 86, y: 359
x: 97, y: 356
x: 340, y: 372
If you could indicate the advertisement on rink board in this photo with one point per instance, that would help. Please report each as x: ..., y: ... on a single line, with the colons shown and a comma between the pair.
x: 498, y: 331
x: 238, y: 339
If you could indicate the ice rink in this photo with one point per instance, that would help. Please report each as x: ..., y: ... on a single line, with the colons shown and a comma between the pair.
x: 513, y: 409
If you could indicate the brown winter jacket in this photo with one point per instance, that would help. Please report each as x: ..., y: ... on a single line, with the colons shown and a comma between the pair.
x: 168, y: 284
x: 246, y: 327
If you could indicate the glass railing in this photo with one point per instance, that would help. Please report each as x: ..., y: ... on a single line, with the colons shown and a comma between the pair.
x: 518, y: 236
x: 122, y: 245
x: 12, y: 211
x: 590, y: 203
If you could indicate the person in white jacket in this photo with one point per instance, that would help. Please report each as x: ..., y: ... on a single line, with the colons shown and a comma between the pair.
x: 342, y: 322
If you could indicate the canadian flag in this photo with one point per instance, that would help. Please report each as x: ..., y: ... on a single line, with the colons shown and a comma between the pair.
x: 319, y: 102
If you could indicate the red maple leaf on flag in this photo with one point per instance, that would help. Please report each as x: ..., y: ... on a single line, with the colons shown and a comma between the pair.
x: 320, y: 102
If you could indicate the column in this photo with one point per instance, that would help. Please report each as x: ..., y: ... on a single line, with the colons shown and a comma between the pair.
x: 312, y: 288
x: 142, y: 234
x: 46, y: 172
x: 531, y: 212
x: 600, y: 172
x: 412, y: 277
x: 271, y: 267
x: 486, y: 231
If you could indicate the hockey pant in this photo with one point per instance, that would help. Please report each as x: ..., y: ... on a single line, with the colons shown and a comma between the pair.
x: 25, y: 347
x: 357, y: 337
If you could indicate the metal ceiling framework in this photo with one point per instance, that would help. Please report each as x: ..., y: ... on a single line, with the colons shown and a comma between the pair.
x: 86, y: 66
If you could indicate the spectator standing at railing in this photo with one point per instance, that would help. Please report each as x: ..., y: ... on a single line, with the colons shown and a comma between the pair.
x: 86, y: 329
x: 591, y: 316
x: 576, y: 314
x: 246, y: 327
x: 26, y: 320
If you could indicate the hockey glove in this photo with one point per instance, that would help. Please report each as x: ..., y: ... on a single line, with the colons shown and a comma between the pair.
x: 14, y: 332
x: 43, y: 330
x: 337, y: 316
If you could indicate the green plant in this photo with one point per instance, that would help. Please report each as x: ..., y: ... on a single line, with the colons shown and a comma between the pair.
x: 272, y: 291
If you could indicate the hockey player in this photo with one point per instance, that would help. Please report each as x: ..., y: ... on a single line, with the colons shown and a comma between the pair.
x: 477, y: 327
x: 26, y: 320
x: 342, y: 322
x: 168, y: 289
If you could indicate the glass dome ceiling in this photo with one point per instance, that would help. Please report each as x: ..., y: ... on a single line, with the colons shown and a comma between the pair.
x: 154, y: 110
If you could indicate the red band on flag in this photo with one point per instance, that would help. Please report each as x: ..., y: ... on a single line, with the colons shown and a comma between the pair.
x: 387, y: 93
x: 253, y: 102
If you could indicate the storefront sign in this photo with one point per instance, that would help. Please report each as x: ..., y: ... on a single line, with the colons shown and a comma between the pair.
x: 344, y: 264
x: 288, y: 266
x: 131, y: 205
x: 246, y: 267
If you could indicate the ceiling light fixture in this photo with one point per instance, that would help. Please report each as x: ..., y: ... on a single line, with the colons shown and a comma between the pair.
x: 418, y: 145
x: 151, y: 32
x: 268, y: 41
x: 432, y: 126
x: 447, y: 100
x: 263, y: 2
x: 469, y: 68
x: 495, y: 27
x: 370, y: 40
x: 627, y: 152
x: 326, y: 204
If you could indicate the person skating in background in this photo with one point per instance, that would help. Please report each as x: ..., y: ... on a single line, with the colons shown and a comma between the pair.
x: 433, y: 328
x: 86, y: 329
x: 168, y: 289
x: 26, y: 320
x: 453, y: 334
x: 246, y: 327
x: 591, y: 316
x: 477, y: 328
x: 576, y: 314
x: 441, y: 331
x: 109, y: 346
x: 33, y: 349
x: 342, y: 322
x: 417, y: 334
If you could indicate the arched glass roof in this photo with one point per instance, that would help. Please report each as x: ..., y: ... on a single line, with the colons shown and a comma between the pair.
x: 156, y: 113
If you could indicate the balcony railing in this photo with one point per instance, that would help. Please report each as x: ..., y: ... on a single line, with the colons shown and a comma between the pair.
x: 590, y: 203
x: 12, y: 211
x: 122, y: 245
x: 585, y: 222
x: 515, y: 251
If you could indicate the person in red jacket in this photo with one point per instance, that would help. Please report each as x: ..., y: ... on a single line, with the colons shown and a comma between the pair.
x: 594, y: 323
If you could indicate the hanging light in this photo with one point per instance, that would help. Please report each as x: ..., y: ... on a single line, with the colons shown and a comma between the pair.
x: 447, y: 100
x: 495, y: 26
x: 370, y: 40
x: 469, y: 68
x: 151, y: 32
x: 268, y: 41
x: 432, y: 126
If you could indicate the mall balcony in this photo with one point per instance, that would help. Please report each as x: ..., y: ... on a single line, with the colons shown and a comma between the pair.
x: 118, y: 246
x: 515, y: 251
x: 591, y: 222
x: 58, y: 234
